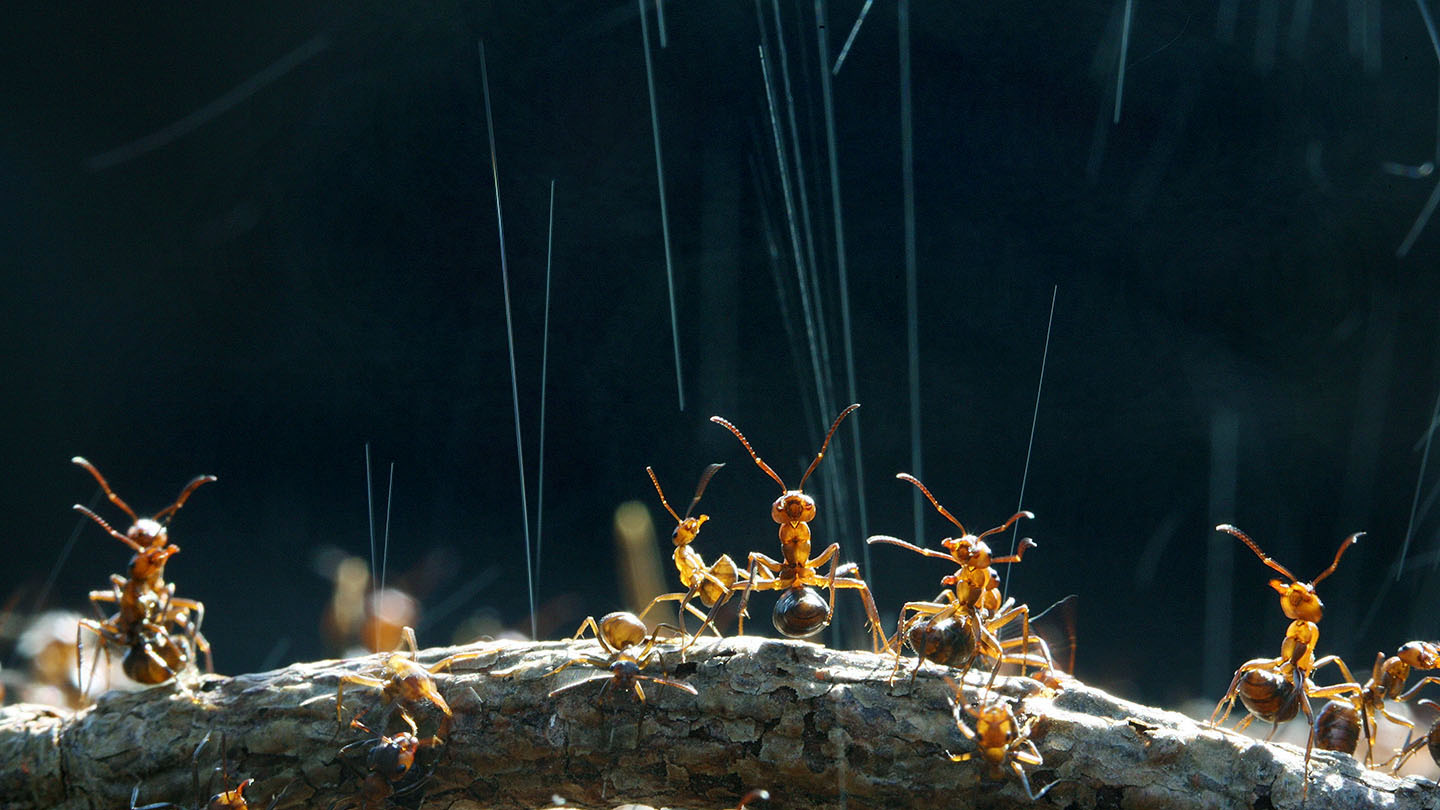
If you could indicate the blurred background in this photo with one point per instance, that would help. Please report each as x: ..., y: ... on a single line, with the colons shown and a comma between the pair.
x: 250, y: 241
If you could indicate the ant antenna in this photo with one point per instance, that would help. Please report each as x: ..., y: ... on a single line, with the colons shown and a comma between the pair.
x: 826, y: 443
x: 665, y: 503
x: 1344, y: 546
x: 105, y: 485
x: 1265, y: 558
x: 912, y: 479
x: 725, y: 423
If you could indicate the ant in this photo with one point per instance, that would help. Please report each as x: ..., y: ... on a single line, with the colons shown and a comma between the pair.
x: 628, y: 650
x: 1297, y: 653
x: 387, y: 761
x: 149, y: 539
x: 713, y: 583
x: 1387, y: 680
x: 800, y: 612
x: 407, y: 683
x: 961, y: 623
x: 1431, y: 740
x: 1001, y: 738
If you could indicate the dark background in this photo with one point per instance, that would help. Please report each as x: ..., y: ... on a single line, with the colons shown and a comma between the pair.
x: 247, y: 241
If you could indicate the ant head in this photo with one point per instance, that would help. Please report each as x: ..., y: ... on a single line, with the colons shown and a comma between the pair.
x: 621, y: 629
x: 1299, y: 600
x: 147, y: 532
x: 968, y: 550
x: 800, y: 612
x: 1420, y: 654
x: 231, y: 799
x: 687, y: 529
x: 793, y: 507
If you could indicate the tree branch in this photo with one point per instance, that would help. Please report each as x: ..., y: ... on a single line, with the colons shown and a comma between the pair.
x: 814, y: 726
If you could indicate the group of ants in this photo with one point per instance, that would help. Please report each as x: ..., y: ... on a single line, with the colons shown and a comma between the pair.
x: 160, y: 635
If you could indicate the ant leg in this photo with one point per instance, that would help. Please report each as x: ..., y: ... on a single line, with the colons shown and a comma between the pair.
x: 877, y: 635
x: 356, y: 679
x: 589, y: 624
x: 771, y: 567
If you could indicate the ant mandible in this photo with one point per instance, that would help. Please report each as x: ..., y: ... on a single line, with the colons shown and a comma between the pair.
x: 713, y: 583
x: 1003, y: 741
x: 407, y: 682
x: 973, y: 599
x: 628, y: 650
x: 1297, y: 659
x: 800, y: 612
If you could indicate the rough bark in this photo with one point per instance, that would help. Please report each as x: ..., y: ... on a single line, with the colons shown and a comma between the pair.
x: 816, y: 727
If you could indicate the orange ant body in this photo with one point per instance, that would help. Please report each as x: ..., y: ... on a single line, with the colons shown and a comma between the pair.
x: 145, y: 604
x: 1003, y: 741
x: 407, y: 683
x: 800, y: 612
x: 972, y: 608
x: 627, y: 651
x: 713, y: 583
x: 1297, y: 659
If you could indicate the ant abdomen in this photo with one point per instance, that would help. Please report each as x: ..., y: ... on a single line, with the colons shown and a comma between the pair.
x: 800, y: 612
x: 1337, y: 727
x: 1269, y: 695
x: 949, y: 642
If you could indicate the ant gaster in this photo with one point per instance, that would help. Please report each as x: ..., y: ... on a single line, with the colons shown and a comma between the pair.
x: 713, y: 583
x: 628, y: 650
x: 1297, y: 659
x: 962, y: 621
x: 800, y: 612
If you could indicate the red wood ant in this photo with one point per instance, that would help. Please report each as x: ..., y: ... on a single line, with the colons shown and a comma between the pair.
x: 800, y: 612
x: 1003, y: 741
x: 627, y: 651
x: 713, y: 583
x: 963, y: 620
x: 387, y: 761
x: 1387, y: 680
x: 1297, y: 659
x: 145, y: 603
x: 407, y: 683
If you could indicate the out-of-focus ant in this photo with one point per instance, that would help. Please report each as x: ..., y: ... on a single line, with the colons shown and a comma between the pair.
x: 407, y: 683
x: 713, y: 583
x: 800, y: 612
x: 1003, y: 741
x: 1297, y: 661
x: 963, y: 620
x: 628, y: 650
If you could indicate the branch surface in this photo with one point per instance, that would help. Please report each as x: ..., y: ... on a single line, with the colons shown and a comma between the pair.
x: 816, y: 727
